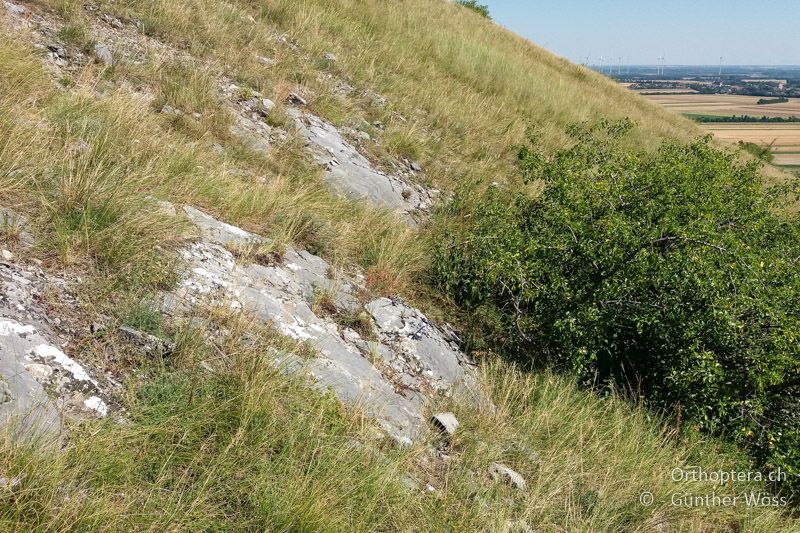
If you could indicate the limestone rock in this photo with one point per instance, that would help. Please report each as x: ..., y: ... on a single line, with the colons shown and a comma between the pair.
x: 409, y: 361
x: 24, y: 406
x: 296, y: 99
x: 445, y: 422
x: 147, y: 343
x: 352, y: 175
x: 35, y: 372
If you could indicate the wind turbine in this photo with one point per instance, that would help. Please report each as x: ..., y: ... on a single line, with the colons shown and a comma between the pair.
x: 586, y: 61
x: 720, y: 66
x: 619, y: 66
x: 601, y: 65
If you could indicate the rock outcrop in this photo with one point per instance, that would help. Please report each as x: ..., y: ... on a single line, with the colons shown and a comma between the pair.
x: 39, y: 382
x: 390, y: 366
x: 352, y: 175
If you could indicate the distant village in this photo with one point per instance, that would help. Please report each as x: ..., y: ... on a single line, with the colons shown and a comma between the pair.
x: 786, y: 88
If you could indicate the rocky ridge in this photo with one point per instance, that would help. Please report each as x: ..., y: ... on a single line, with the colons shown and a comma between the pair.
x: 389, y: 364
x: 380, y: 354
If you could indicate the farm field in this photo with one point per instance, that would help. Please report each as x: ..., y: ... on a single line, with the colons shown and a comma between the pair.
x: 724, y: 104
x: 784, y: 137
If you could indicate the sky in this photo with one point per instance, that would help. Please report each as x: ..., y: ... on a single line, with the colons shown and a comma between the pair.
x: 686, y: 32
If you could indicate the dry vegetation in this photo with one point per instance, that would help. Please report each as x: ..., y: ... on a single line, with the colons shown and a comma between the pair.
x: 245, y: 448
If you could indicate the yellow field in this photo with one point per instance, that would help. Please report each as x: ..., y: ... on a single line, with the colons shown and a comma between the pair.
x: 784, y: 138
x: 725, y: 104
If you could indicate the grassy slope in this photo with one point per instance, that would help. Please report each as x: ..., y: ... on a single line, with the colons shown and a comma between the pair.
x: 244, y: 447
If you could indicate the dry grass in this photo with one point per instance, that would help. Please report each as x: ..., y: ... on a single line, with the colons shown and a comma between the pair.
x: 482, y: 84
x: 242, y: 447
x: 248, y: 448
x: 86, y: 168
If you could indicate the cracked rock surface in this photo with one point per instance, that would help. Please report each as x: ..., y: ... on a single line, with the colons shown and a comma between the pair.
x: 39, y: 382
x: 352, y: 174
x: 390, y: 374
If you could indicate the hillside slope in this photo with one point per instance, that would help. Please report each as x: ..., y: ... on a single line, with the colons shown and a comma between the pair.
x: 278, y: 370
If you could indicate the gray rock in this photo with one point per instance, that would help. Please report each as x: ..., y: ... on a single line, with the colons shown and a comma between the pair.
x: 390, y: 378
x: 102, y: 53
x: 112, y: 21
x: 253, y: 133
x: 268, y: 61
x: 501, y: 472
x: 329, y: 57
x: 13, y: 8
x: 416, y: 167
x: 267, y: 104
x: 352, y: 175
x: 169, y: 110
x: 39, y: 372
x: 220, y: 232
x: 445, y: 422
x: 9, y: 483
x: 6, y: 255
x: 25, y: 408
x: 31, y: 356
x: 517, y: 526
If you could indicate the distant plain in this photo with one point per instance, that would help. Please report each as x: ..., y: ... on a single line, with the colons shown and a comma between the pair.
x: 783, y: 137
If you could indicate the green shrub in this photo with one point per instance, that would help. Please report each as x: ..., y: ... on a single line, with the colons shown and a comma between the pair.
x: 481, y: 9
x: 673, y: 275
x: 763, y: 152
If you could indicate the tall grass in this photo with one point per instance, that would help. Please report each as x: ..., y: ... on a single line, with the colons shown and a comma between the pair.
x: 235, y: 445
x: 87, y: 169
x: 242, y: 447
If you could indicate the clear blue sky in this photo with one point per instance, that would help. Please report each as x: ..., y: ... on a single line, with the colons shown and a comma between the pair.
x: 688, y: 32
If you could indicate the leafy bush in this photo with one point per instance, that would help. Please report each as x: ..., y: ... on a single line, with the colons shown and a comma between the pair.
x: 481, y: 9
x: 673, y: 275
x: 763, y: 152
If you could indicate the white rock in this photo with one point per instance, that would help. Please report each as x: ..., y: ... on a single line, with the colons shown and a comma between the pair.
x: 9, y: 327
x: 6, y: 255
x: 45, y: 351
x: 445, y: 422
x: 14, y: 9
x: 95, y: 403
